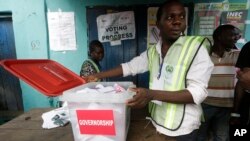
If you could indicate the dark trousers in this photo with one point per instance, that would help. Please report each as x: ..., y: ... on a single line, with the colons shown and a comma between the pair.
x: 189, y: 137
x: 244, y: 109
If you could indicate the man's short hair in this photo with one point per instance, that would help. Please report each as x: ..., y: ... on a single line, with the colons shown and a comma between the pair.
x: 160, y: 10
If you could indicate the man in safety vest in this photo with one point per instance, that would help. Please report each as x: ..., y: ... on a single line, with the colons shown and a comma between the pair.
x: 179, y: 67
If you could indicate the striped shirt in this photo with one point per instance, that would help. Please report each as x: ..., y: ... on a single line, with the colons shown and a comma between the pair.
x: 222, y: 81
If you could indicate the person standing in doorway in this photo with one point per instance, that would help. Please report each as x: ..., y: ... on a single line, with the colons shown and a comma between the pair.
x: 179, y: 68
x: 96, y: 54
x: 217, y: 106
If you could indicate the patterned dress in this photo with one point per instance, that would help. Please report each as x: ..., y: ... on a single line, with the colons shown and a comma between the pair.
x: 89, y: 67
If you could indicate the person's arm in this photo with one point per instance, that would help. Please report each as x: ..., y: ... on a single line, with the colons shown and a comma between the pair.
x: 242, y: 85
x: 244, y: 78
x: 133, y: 67
x: 197, y: 80
x: 117, y: 71
x: 238, y: 95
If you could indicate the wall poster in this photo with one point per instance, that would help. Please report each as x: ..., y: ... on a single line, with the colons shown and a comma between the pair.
x: 236, y: 18
x: 61, y: 31
x: 116, y: 26
x: 208, y: 16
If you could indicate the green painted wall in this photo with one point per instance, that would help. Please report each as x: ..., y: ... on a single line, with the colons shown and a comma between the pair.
x: 29, y: 26
x: 29, y: 23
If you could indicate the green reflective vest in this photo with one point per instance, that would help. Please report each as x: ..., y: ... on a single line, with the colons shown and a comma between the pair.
x: 174, y: 71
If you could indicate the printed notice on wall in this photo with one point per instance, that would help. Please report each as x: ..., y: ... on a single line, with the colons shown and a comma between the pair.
x: 236, y: 18
x: 208, y: 16
x: 61, y: 31
x: 116, y: 26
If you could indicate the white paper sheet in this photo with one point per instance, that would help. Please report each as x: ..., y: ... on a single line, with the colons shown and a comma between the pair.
x: 61, y: 31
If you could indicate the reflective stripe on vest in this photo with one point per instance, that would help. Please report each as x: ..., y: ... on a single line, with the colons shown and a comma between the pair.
x: 178, y: 61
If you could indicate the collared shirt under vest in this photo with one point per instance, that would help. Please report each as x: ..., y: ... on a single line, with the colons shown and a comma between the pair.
x: 185, y: 66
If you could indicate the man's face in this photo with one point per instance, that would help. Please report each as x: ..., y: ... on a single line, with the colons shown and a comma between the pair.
x: 230, y: 38
x: 172, y: 22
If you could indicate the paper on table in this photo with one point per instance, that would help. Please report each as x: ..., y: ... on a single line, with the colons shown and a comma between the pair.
x: 55, y: 118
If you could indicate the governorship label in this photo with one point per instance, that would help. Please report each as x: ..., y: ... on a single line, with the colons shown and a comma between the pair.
x: 96, y: 122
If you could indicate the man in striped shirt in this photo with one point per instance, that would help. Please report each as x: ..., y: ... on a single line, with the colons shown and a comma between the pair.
x: 217, y: 106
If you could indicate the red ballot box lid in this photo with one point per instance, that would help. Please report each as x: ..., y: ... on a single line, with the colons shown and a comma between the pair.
x: 47, y: 76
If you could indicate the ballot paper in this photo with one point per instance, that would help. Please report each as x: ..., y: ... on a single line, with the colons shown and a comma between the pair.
x: 56, y: 118
x: 99, y: 88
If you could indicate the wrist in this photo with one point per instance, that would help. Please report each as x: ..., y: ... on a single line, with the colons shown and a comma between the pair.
x: 98, y: 76
x: 235, y: 115
x: 151, y: 97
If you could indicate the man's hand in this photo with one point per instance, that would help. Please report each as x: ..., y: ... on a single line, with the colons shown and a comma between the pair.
x: 90, y: 78
x: 244, y: 78
x: 141, y: 98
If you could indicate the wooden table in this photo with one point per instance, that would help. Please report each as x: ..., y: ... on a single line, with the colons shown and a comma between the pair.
x: 27, y: 127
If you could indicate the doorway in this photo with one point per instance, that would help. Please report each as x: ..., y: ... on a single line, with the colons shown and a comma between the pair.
x: 11, y: 103
x: 115, y: 55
